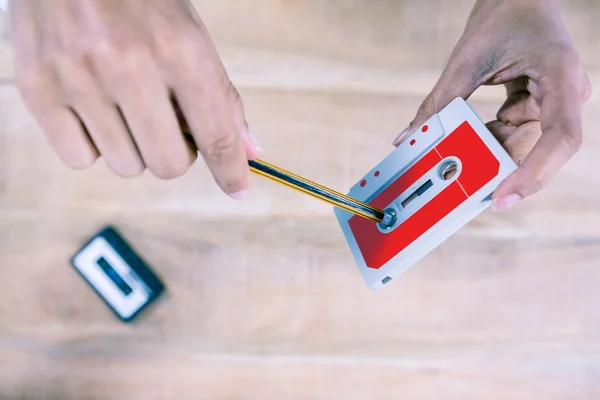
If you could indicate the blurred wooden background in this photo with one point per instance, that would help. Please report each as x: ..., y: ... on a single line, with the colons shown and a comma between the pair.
x: 265, y: 301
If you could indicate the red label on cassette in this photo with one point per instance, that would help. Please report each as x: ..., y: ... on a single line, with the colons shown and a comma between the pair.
x: 479, y: 166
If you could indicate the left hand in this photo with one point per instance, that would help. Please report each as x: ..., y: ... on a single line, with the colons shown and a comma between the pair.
x: 523, y: 45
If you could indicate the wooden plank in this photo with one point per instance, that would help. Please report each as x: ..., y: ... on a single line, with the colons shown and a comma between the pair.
x: 264, y: 299
x: 359, y: 32
x: 242, y: 265
x: 384, y: 36
x: 6, y: 53
x: 275, y: 305
x: 330, y: 138
x: 492, y: 310
x: 221, y: 377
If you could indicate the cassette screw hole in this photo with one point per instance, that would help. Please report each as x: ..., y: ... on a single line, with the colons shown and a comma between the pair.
x: 389, y: 219
x: 448, y: 170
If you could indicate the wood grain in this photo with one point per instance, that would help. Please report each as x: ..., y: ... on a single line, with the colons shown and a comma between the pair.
x: 385, y: 34
x: 330, y: 138
x: 264, y: 299
x: 277, y: 303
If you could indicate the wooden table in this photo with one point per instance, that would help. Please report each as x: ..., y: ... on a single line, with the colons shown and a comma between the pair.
x: 264, y: 299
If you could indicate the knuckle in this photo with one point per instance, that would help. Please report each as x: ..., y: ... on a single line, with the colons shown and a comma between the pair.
x: 131, y: 59
x: 235, y: 184
x: 28, y: 83
x: 426, y: 107
x: 220, y: 150
x: 425, y: 110
x: 177, y: 42
x: 430, y: 106
x: 79, y: 160
x: 186, y: 53
x: 129, y: 171
x: 185, y: 50
x: 573, y: 141
x: 33, y: 81
x: 233, y: 94
x: 536, y: 183
x: 212, y: 73
x: 568, y: 59
x: 67, y: 65
x: 167, y: 169
x: 122, y: 60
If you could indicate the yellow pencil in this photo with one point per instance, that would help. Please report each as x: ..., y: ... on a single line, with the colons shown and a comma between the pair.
x: 315, y: 190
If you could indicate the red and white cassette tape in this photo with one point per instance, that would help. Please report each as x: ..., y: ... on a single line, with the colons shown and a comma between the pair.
x: 434, y: 183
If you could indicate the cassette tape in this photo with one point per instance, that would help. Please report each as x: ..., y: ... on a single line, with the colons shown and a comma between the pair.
x: 117, y: 274
x: 430, y: 186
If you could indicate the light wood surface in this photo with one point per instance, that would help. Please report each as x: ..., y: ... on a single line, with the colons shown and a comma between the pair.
x: 264, y: 299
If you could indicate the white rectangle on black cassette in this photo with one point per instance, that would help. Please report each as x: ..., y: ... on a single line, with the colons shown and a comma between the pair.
x: 112, y: 277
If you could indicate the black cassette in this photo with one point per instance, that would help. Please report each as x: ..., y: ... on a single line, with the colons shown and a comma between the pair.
x: 117, y: 274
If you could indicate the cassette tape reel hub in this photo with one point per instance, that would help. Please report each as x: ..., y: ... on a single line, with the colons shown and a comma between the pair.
x: 389, y: 219
x: 430, y: 186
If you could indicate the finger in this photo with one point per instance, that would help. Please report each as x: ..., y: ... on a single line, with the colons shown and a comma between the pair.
x: 204, y: 92
x: 66, y: 135
x: 189, y: 20
x: 183, y: 123
x: 520, y: 107
x: 518, y: 141
x: 137, y: 86
x: 560, y: 96
x: 459, y: 79
x: 101, y: 117
x: 500, y: 130
x: 253, y: 149
x: 38, y: 85
x: 518, y: 128
x: 62, y: 127
x: 216, y: 133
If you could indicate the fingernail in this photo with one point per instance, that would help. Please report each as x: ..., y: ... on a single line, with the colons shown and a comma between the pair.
x: 255, y: 142
x: 505, y: 202
x: 239, y: 195
x: 401, y: 136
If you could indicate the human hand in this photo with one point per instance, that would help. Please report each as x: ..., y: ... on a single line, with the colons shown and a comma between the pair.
x: 524, y: 45
x: 105, y: 77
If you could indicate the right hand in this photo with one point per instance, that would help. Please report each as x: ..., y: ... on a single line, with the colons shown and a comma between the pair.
x: 105, y: 77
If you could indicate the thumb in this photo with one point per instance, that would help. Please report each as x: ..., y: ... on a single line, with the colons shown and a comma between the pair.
x: 456, y: 81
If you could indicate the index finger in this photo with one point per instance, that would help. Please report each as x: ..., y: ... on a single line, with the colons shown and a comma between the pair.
x: 560, y: 94
x: 216, y: 134
x: 202, y: 89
